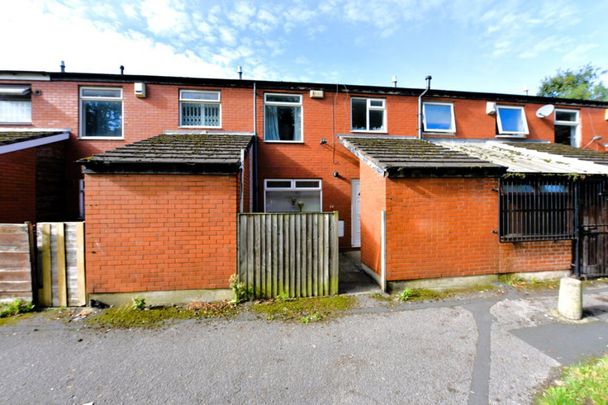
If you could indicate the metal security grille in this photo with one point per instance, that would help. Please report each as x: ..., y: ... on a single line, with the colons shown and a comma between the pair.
x: 536, y: 210
x: 594, y: 228
x: 200, y: 114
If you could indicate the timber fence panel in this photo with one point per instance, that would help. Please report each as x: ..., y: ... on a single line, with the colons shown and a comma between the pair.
x: 15, y: 262
x: 61, y: 264
x: 293, y: 254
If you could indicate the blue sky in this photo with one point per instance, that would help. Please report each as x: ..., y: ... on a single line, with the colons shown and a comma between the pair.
x: 496, y: 46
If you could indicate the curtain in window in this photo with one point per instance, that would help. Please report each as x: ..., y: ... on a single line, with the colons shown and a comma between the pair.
x: 271, y: 130
x: 297, y: 124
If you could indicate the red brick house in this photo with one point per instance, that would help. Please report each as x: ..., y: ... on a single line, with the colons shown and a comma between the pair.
x: 296, y: 151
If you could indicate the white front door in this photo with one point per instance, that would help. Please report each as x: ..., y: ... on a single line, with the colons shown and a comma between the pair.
x: 355, y: 219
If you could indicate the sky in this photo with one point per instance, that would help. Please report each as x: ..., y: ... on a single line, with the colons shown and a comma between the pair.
x: 492, y: 46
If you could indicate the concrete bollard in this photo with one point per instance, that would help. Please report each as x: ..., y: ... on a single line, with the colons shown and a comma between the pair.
x: 570, y: 301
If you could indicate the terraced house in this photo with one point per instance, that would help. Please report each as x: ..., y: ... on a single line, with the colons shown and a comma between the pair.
x: 427, y: 183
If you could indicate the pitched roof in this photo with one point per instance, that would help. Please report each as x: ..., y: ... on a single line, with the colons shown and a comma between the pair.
x: 565, y: 150
x: 531, y: 157
x: 12, y: 136
x: 14, y: 139
x: 219, y: 153
x: 396, y: 156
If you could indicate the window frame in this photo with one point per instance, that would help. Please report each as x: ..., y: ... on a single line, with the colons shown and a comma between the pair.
x: 180, y: 99
x: 294, y: 188
x: 81, y: 115
x: 451, y: 130
x: 284, y: 104
x: 369, y: 107
x: 576, y: 124
x: 30, y: 121
x: 511, y: 134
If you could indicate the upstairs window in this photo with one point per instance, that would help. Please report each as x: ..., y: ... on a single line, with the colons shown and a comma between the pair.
x: 567, y: 127
x: 282, y: 118
x: 287, y: 195
x: 511, y: 121
x: 200, y: 109
x: 100, y: 112
x: 438, y: 117
x: 15, y: 105
x: 368, y: 114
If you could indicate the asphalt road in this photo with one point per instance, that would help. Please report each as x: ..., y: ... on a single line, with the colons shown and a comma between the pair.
x: 482, y: 350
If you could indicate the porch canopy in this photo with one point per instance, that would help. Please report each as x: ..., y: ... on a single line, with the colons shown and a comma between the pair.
x: 15, y: 139
x: 400, y: 156
x: 215, y: 153
x: 539, y: 158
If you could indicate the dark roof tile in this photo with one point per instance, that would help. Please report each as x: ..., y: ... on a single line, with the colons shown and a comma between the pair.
x: 194, y: 150
x: 396, y: 156
x: 8, y: 137
x: 564, y: 150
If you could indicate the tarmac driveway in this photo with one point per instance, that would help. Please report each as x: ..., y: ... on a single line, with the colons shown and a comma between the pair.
x: 487, y: 349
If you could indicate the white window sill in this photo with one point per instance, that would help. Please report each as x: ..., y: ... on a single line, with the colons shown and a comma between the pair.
x: 197, y: 127
x: 517, y: 136
x: 284, y: 142
x: 101, y: 138
x: 15, y: 123
x: 439, y: 133
x: 362, y: 131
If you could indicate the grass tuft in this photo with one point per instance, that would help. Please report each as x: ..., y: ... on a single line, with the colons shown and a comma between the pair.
x: 581, y: 384
x: 13, y: 311
x: 304, y: 310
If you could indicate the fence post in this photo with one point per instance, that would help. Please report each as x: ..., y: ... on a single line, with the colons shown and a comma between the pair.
x: 82, y: 290
x: 334, y: 255
x: 45, y: 257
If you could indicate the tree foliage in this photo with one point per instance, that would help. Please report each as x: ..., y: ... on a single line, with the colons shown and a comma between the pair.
x: 583, y: 83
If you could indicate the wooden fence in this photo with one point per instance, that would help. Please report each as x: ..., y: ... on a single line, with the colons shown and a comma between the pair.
x: 16, y: 251
x: 289, y: 253
x: 61, y: 272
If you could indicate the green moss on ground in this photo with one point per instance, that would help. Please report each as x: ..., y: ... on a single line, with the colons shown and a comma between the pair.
x: 304, y: 310
x: 581, y: 384
x: 128, y: 317
x: 11, y: 320
x: 528, y: 284
x: 425, y: 294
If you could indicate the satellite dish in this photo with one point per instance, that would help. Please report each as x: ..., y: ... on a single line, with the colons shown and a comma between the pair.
x: 545, y: 111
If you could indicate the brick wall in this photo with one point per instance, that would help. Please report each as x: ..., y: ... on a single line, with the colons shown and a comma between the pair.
x: 445, y: 228
x: 535, y: 256
x: 58, y: 106
x: 160, y: 232
x: 18, y: 186
x: 441, y: 227
x: 372, y: 202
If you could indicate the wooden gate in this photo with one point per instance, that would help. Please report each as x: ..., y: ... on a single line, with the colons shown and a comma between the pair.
x: 293, y: 254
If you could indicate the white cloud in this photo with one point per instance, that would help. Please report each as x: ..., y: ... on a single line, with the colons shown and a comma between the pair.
x: 579, y: 55
x: 88, y: 48
x: 164, y: 17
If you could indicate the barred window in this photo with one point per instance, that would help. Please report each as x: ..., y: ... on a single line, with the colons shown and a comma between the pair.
x: 200, y: 108
x: 535, y: 210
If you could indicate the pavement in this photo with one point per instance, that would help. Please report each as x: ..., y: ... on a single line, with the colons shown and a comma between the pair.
x: 493, y: 347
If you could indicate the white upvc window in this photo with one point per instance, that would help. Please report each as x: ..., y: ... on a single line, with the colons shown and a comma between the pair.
x: 15, y: 104
x: 368, y: 114
x: 511, y: 121
x: 200, y: 108
x: 101, y: 113
x: 567, y: 127
x: 283, y: 118
x: 293, y: 195
x: 438, y: 117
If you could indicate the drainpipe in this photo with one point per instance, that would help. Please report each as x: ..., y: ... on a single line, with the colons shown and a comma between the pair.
x: 428, y: 87
x: 242, y: 181
x: 254, y: 152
